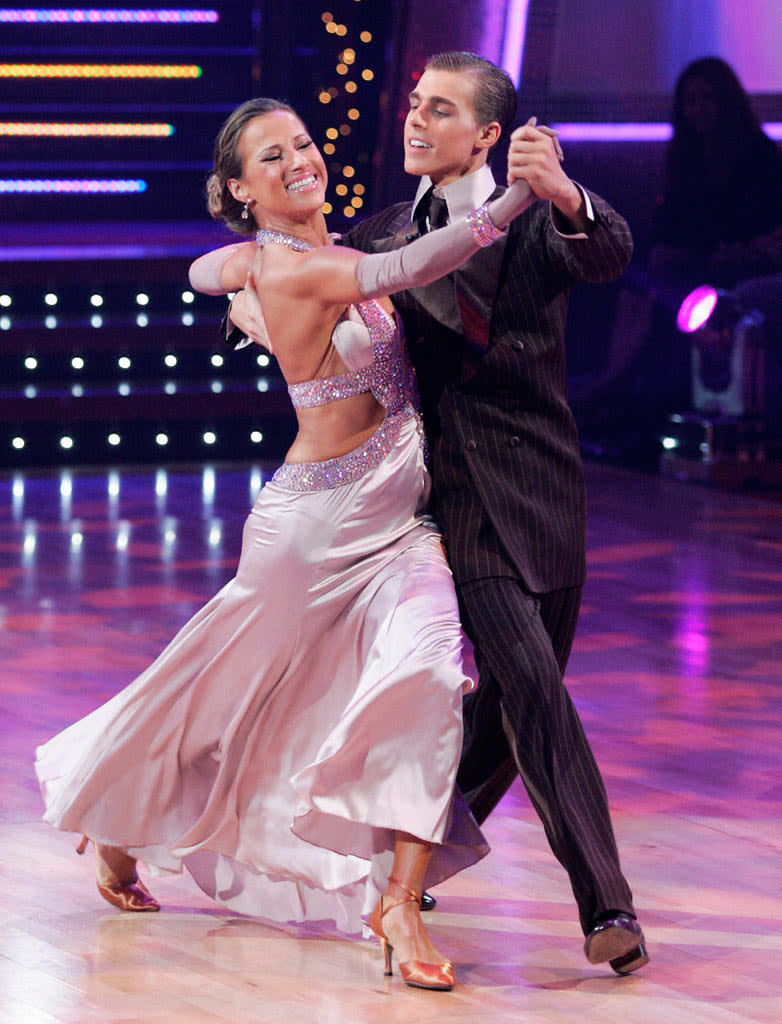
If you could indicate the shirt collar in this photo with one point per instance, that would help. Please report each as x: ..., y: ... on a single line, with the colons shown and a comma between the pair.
x: 461, y: 196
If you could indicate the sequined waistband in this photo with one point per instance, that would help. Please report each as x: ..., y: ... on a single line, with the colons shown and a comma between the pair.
x: 347, y: 468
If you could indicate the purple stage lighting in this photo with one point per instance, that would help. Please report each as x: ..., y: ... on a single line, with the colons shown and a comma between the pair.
x: 696, y: 309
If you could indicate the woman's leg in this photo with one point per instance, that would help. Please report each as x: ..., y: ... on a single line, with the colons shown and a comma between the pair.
x: 118, y: 881
x: 397, y: 919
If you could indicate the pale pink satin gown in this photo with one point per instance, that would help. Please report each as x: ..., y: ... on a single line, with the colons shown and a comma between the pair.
x: 313, y: 706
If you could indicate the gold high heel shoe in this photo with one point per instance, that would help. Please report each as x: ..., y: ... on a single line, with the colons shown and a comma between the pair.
x: 130, y: 894
x: 416, y: 973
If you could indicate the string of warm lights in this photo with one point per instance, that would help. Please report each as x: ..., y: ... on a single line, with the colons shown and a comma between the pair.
x: 54, y: 129
x: 346, y: 89
x: 100, y: 71
x: 95, y: 16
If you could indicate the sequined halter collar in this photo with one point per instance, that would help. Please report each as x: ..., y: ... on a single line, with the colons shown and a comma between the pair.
x: 265, y: 236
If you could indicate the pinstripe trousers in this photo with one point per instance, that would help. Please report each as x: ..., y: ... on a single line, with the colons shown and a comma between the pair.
x: 521, y: 720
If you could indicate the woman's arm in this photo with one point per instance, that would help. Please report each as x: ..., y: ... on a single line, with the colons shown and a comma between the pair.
x: 222, y: 270
x: 340, y: 276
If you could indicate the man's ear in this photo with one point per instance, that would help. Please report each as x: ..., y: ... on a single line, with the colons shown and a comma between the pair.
x: 488, y: 135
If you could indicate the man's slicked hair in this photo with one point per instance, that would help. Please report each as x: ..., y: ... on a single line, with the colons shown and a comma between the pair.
x: 494, y: 96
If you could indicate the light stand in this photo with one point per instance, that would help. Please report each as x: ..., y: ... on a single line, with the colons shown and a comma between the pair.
x: 724, y: 438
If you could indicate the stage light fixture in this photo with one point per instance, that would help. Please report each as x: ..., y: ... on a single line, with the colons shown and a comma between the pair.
x: 188, y: 319
x: 124, y: 362
x: 30, y: 391
x: 161, y: 439
x: 216, y: 387
x: 96, y: 300
x: 31, y: 363
x: 66, y: 442
x: 5, y: 323
x: 169, y: 387
x: 188, y: 297
x: 114, y: 440
x: 209, y: 437
x: 142, y: 299
x: 142, y: 320
x: 263, y: 359
x: 50, y: 299
x: 96, y: 320
x: 50, y: 322
x: 123, y: 388
x: 256, y: 436
x: 77, y: 363
x: 18, y: 443
x: 727, y: 352
x: 263, y: 384
x: 170, y: 360
x: 217, y: 359
x: 5, y: 301
x: 77, y: 390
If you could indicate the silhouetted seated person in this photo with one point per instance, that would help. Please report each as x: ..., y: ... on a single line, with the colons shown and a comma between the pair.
x: 719, y: 221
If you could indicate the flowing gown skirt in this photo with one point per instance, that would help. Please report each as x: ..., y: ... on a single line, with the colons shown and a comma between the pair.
x: 308, y: 711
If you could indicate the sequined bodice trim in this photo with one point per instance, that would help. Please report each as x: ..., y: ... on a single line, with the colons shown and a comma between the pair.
x: 391, y: 380
x: 382, y: 376
x: 345, y: 469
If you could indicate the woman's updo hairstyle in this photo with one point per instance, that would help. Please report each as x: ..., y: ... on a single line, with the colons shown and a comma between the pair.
x: 227, y: 164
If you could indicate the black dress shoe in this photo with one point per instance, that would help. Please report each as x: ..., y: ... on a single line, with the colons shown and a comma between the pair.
x: 620, y: 941
x: 427, y: 902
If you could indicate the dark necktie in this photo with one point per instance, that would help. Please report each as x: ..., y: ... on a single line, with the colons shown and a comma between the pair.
x: 433, y: 214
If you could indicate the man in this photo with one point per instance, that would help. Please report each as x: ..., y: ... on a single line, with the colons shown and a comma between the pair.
x: 508, y: 489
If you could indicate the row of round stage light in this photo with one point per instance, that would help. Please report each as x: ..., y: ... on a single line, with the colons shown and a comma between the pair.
x: 346, y: 60
x: 209, y: 438
x: 96, y: 300
x: 169, y: 361
x: 170, y: 387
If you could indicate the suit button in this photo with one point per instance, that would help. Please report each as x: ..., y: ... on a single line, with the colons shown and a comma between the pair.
x: 513, y: 442
x: 518, y: 345
x: 470, y: 446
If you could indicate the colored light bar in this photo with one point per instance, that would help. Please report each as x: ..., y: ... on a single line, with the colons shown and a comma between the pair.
x: 39, y: 129
x: 633, y: 131
x: 93, y: 186
x: 90, y: 16
x: 515, y: 34
x: 100, y: 71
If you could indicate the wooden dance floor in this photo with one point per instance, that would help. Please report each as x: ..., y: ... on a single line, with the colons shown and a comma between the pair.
x: 676, y: 671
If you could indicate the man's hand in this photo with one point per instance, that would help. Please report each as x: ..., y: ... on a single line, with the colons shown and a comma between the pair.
x: 535, y: 155
x: 246, y: 312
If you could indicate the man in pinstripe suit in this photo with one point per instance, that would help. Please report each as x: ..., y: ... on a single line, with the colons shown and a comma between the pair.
x: 508, y: 487
x: 488, y: 346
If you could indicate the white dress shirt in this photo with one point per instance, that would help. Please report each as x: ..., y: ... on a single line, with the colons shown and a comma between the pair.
x: 472, y: 190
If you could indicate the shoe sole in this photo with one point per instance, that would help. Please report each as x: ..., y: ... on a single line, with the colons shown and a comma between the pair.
x: 610, y: 944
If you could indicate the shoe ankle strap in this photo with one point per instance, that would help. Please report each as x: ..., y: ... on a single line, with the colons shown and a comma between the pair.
x: 411, y: 893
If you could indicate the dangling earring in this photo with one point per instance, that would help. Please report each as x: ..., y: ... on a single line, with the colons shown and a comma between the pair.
x: 246, y: 210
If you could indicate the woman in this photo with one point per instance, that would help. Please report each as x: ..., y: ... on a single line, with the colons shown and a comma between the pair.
x: 720, y: 218
x: 276, y: 749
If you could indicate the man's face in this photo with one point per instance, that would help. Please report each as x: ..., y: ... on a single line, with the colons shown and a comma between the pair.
x: 442, y: 136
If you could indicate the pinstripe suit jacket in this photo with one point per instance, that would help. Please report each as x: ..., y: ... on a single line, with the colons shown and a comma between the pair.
x: 488, y: 346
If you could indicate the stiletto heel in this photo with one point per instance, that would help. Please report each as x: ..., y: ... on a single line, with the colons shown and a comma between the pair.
x: 129, y: 894
x: 416, y: 973
x: 388, y: 954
